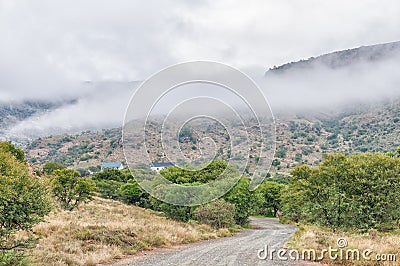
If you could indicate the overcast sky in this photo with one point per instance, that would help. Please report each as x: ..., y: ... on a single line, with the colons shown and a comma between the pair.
x: 48, y: 48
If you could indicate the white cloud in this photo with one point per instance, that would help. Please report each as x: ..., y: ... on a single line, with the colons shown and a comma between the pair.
x: 321, y: 88
x: 48, y: 48
x: 103, y: 106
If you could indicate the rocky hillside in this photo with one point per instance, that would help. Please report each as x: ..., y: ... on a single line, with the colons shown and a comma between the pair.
x: 300, y: 139
x: 364, y: 129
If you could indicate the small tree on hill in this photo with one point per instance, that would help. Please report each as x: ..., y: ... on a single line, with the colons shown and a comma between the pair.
x: 71, y: 189
x: 50, y: 167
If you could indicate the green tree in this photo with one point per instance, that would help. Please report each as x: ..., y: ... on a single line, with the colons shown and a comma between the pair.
x: 71, y: 189
x: 294, y: 200
x: 132, y: 193
x: 110, y: 181
x: 243, y: 200
x: 10, y: 148
x: 24, y: 201
x: 50, y: 167
x: 182, y: 176
x: 239, y: 195
x: 109, y: 189
x: 269, y: 195
x: 113, y: 174
x: 360, y: 191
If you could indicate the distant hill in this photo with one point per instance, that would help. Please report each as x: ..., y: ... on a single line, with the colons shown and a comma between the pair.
x: 81, y: 151
x: 340, y: 59
x: 10, y: 113
x: 301, y: 138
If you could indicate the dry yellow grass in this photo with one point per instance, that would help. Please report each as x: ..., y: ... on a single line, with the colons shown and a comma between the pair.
x: 105, y: 230
x: 317, y: 238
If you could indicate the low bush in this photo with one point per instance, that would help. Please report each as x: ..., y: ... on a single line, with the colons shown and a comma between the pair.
x: 218, y: 214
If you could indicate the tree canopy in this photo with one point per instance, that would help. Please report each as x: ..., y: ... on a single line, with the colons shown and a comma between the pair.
x: 71, y: 189
x: 360, y: 191
x: 24, y: 201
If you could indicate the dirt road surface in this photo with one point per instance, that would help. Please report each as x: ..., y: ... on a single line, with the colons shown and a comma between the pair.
x: 241, y: 249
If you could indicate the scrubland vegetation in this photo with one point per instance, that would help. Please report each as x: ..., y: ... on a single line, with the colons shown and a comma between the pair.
x: 52, y: 217
x: 104, y: 230
x: 301, y: 139
x: 57, y: 217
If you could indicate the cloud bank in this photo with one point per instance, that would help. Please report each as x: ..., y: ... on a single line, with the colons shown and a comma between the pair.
x: 50, y: 48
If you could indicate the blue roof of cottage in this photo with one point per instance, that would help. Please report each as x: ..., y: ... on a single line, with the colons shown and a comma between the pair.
x: 162, y: 164
x: 111, y: 165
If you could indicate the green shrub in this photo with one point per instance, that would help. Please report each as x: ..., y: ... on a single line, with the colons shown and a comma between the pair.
x: 179, y: 213
x: 12, y: 257
x: 281, y: 153
x: 109, y: 189
x: 218, y: 214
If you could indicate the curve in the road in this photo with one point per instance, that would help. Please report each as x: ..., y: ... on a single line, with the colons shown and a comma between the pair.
x: 241, y: 249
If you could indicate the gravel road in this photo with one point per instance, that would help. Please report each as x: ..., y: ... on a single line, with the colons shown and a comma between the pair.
x: 241, y: 249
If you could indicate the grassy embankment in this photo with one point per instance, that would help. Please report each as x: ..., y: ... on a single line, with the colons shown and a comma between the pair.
x: 105, y: 230
x: 318, y: 238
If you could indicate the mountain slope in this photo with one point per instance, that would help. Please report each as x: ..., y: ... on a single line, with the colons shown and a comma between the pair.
x: 364, y: 122
x: 340, y: 59
x: 300, y: 139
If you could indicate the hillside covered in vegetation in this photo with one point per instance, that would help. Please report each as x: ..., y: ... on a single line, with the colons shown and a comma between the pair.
x: 302, y: 138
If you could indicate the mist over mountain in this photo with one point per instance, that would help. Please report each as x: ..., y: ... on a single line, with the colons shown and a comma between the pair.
x: 326, y: 85
x: 335, y: 81
x: 101, y: 105
x: 341, y: 59
x: 346, y: 101
x: 13, y: 113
